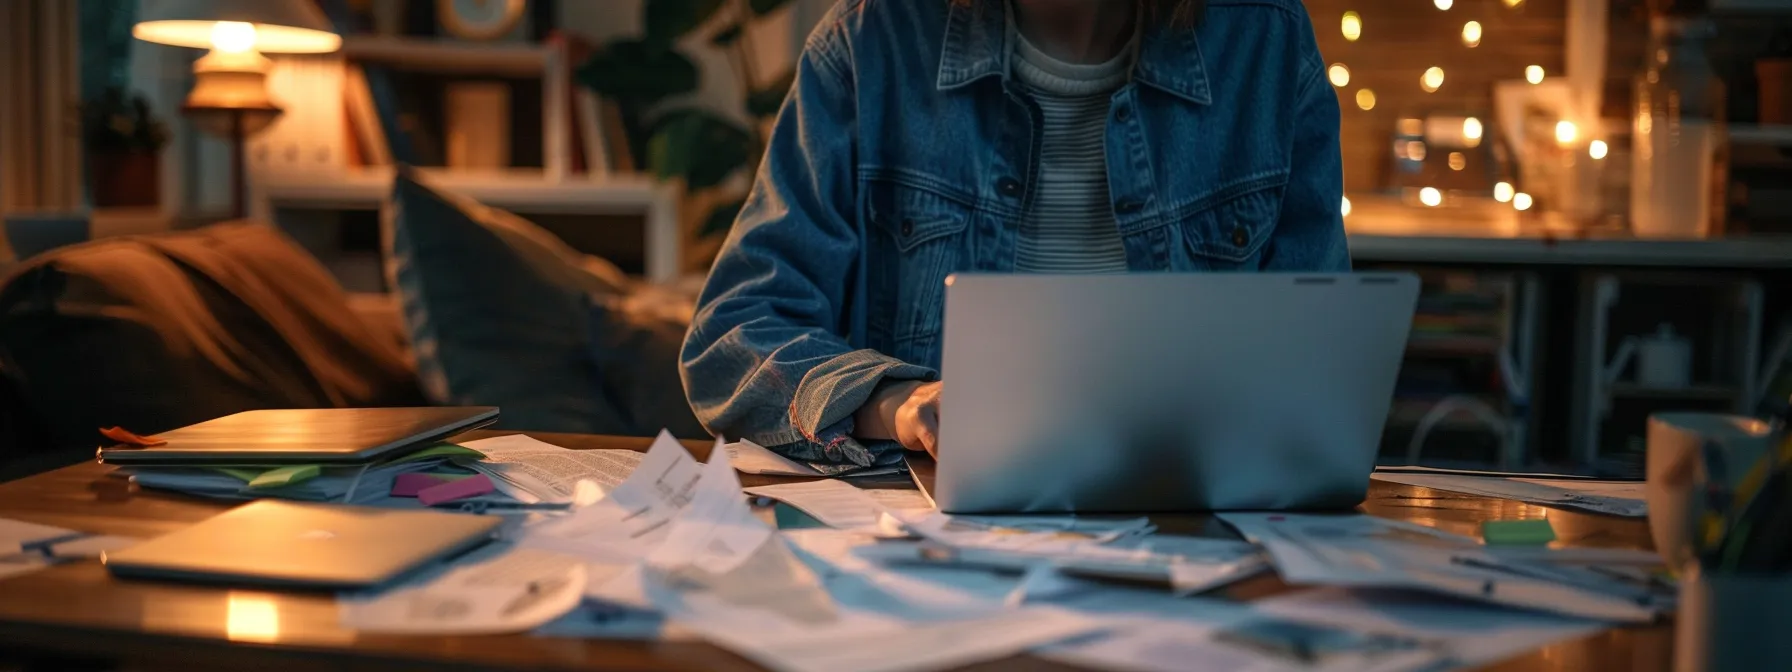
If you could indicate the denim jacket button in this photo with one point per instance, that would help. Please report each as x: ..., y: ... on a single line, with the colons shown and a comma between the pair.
x: 1009, y: 187
x: 1127, y: 206
x: 1240, y: 237
x: 1123, y: 113
x: 908, y: 227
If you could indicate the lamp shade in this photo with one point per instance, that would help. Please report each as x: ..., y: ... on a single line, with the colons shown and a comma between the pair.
x: 279, y: 26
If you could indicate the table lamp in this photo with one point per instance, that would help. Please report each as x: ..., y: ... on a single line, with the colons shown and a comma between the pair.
x: 230, y: 93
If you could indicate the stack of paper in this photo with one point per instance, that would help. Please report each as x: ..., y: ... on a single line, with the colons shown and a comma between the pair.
x: 353, y: 485
x: 752, y: 458
x: 1365, y: 551
x: 532, y: 471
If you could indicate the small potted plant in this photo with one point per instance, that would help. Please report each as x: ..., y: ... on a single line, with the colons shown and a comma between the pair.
x: 122, y: 140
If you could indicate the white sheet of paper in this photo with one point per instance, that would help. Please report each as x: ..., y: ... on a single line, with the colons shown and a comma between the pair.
x: 1366, y: 551
x: 16, y: 533
x: 1617, y: 498
x: 92, y: 546
x: 534, y: 471
x: 496, y: 590
x: 842, y: 505
x: 717, y: 531
x: 752, y: 458
x: 632, y: 520
x: 1467, y: 635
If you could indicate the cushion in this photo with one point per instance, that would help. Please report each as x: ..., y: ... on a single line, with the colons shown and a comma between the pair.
x: 157, y: 332
x: 500, y: 312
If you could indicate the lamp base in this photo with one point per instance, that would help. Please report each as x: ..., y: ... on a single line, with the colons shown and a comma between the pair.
x: 235, y: 124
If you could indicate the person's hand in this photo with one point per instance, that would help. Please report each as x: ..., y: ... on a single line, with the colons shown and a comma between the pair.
x: 917, y: 419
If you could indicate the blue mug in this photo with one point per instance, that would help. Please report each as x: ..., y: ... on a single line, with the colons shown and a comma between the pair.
x: 34, y: 233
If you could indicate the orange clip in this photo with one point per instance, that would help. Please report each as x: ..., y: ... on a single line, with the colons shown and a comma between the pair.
x: 125, y: 437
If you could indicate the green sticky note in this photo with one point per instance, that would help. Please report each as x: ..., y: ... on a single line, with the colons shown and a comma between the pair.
x: 238, y: 473
x: 1517, y: 532
x: 285, y: 476
x: 447, y: 450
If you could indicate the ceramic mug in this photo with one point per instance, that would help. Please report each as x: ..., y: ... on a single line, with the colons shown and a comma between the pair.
x: 1676, y: 462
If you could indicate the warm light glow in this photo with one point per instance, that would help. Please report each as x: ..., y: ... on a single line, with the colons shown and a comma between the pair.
x: 1434, y: 78
x: 233, y: 37
x: 1471, y: 128
x: 1533, y: 74
x: 1352, y: 26
x: 1346, y: 208
x: 1340, y: 75
x: 1471, y: 34
x: 1566, y: 132
x: 1502, y: 192
x: 1514, y: 3
x: 1444, y: 4
x: 1458, y: 161
x: 1431, y: 197
x: 267, y: 39
x: 1365, y: 99
x: 1521, y: 201
x: 250, y: 617
x: 1598, y: 149
x: 1412, y: 127
x: 1415, y: 150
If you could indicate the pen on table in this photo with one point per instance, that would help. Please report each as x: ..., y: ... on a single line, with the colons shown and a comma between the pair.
x: 482, y: 507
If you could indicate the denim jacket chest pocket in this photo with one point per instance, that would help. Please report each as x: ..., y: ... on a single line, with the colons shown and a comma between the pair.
x: 916, y: 239
x: 1228, y: 229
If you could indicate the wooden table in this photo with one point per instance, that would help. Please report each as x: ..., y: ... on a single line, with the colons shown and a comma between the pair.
x: 76, y: 611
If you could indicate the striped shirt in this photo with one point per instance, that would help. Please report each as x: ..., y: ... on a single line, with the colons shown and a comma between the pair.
x: 1070, y: 226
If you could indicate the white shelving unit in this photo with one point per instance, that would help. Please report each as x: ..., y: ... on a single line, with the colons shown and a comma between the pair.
x: 522, y: 192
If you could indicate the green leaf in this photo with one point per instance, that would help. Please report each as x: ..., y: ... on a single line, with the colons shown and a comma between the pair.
x: 668, y: 20
x: 698, y: 146
x: 725, y: 37
x: 766, y: 6
x: 721, y: 219
x: 638, y: 72
x: 285, y: 476
x: 765, y: 102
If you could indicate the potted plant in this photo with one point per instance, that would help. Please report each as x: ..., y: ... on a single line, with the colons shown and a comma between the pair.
x: 122, y: 140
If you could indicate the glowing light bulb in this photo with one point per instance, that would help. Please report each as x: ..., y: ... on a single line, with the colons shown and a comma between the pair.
x: 1533, y: 74
x: 1471, y: 34
x: 1503, y: 191
x: 1431, y: 197
x: 1444, y: 4
x: 1352, y: 26
x: 1415, y: 150
x: 1566, y: 132
x: 1598, y: 149
x: 1514, y: 3
x: 1434, y: 78
x: 1340, y: 75
x: 1458, y: 161
x: 1346, y: 208
x: 1365, y: 99
x: 1471, y: 128
x: 1521, y: 201
x: 233, y: 37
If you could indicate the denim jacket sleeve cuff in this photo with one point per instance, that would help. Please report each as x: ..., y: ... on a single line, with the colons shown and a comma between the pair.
x: 821, y: 411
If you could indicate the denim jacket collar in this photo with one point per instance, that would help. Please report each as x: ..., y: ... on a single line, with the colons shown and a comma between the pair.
x: 976, y: 46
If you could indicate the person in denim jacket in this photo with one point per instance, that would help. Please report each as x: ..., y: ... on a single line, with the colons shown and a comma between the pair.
x: 927, y: 137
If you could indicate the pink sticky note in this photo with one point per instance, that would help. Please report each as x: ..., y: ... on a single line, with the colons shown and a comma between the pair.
x: 472, y: 486
x: 408, y: 485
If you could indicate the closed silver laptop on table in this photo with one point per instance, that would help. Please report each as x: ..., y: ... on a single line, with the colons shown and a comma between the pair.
x: 300, y: 545
x: 1166, y: 392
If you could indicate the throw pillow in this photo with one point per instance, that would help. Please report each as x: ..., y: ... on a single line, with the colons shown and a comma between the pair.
x: 500, y: 312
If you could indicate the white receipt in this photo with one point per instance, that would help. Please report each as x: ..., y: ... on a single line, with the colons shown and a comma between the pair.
x: 533, y: 471
x: 842, y: 505
x: 633, y: 519
x: 496, y: 591
x: 716, y: 531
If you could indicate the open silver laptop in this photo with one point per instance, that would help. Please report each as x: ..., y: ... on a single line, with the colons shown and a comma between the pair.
x: 288, y: 544
x: 1166, y: 392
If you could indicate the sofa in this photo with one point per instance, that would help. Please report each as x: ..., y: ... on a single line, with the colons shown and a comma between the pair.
x: 156, y: 332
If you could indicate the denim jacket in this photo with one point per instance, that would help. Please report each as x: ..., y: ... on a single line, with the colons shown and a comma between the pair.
x: 906, y: 152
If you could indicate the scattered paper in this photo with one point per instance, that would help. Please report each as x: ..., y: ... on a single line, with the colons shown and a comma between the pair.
x: 632, y: 520
x: 1457, y: 634
x: 91, y: 547
x: 17, y: 534
x: 533, y: 471
x: 1365, y: 551
x: 1617, y: 498
x: 496, y: 590
x: 842, y: 505
x: 872, y: 646
x: 27, y: 547
x: 717, y: 531
x: 752, y: 458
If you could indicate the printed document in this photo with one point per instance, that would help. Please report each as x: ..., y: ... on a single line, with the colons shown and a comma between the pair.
x: 497, y: 589
x: 842, y: 505
x: 1616, y: 498
x: 533, y: 471
x: 632, y: 520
